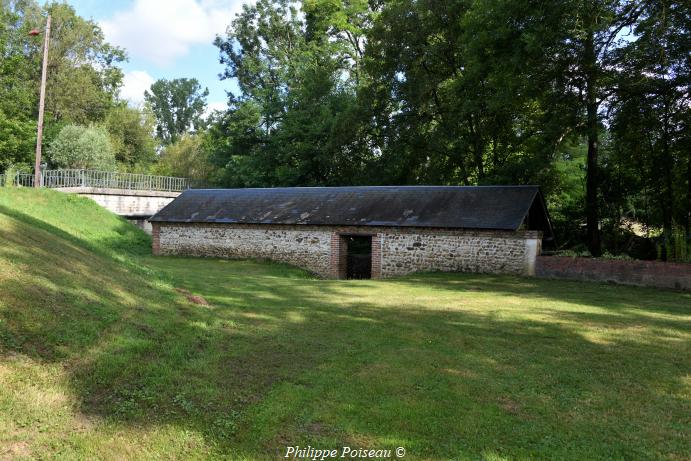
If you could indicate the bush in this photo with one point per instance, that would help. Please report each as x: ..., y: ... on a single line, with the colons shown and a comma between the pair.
x: 82, y: 147
x: 10, y: 174
x: 187, y: 158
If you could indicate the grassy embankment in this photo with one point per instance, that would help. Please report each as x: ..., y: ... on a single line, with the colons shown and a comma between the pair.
x: 101, y: 356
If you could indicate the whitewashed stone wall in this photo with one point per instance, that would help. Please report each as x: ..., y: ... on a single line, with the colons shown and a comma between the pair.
x: 459, y: 251
x: 403, y: 250
x: 309, y: 248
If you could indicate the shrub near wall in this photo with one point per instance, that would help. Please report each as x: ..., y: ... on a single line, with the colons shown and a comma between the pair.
x: 643, y: 273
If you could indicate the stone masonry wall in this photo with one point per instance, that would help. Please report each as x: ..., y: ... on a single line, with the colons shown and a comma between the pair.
x: 322, y: 250
x: 458, y: 251
x: 308, y: 248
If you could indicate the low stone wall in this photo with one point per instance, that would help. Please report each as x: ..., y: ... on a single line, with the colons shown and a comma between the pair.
x: 321, y: 249
x: 642, y: 273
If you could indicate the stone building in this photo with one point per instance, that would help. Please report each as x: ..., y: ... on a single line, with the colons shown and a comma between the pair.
x: 362, y: 232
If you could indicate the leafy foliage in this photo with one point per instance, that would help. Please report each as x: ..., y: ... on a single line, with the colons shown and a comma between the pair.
x: 579, y: 97
x: 187, y: 158
x: 178, y: 106
x: 130, y: 132
x: 17, y: 141
x: 82, y: 147
x: 82, y: 80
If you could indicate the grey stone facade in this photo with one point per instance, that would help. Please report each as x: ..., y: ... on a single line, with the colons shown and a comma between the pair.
x: 396, y: 251
x: 306, y: 248
x: 497, y: 252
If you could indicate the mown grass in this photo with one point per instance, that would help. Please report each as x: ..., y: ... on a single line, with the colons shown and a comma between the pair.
x: 103, y: 355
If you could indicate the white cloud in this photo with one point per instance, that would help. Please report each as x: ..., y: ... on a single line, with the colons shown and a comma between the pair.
x: 216, y: 105
x: 134, y: 84
x: 160, y: 31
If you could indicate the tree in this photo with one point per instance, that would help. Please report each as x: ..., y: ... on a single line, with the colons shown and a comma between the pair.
x: 652, y: 114
x: 17, y: 126
x: 17, y: 141
x: 579, y: 74
x: 82, y: 147
x: 83, y: 74
x: 178, y: 106
x: 292, y: 123
x: 579, y: 96
x: 130, y: 132
x: 187, y: 158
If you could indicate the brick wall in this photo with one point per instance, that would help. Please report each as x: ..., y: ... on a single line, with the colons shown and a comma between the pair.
x: 322, y: 249
x: 643, y: 273
x: 155, y: 238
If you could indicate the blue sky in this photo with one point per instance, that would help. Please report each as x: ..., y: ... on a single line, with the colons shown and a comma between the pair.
x: 165, y: 39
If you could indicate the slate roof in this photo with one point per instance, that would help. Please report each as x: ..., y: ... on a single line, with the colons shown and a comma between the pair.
x: 481, y: 207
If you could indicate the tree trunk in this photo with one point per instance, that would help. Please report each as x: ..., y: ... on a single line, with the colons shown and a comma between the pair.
x: 688, y: 200
x: 478, y: 149
x: 592, y: 182
x: 667, y: 198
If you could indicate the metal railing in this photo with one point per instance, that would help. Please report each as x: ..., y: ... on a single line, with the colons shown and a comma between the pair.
x: 18, y: 179
x: 101, y: 180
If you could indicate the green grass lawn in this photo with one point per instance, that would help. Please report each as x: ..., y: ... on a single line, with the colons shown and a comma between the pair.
x: 109, y: 353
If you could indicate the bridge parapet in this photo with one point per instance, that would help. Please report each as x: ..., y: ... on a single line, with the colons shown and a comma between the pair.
x: 136, y: 197
x: 71, y: 178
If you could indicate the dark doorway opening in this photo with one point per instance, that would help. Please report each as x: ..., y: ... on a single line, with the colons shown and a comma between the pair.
x: 359, y: 259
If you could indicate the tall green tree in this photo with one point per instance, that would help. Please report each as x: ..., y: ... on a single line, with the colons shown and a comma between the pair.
x: 178, y: 106
x: 131, y: 134
x: 652, y: 115
x: 83, y: 74
x: 579, y: 76
x: 17, y: 125
x: 291, y: 124
x: 82, y: 79
x: 187, y: 158
x: 580, y: 96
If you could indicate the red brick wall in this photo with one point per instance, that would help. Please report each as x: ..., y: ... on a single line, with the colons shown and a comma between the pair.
x: 376, y: 256
x: 155, y: 238
x: 339, y: 250
x: 644, y: 273
x: 339, y: 256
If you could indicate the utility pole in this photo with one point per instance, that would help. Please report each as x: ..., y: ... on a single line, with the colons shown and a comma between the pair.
x: 41, y: 104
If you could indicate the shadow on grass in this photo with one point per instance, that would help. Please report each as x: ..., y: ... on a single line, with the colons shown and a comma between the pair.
x: 279, y: 359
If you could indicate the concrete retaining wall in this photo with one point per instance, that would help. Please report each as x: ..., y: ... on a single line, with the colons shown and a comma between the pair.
x: 320, y: 249
x: 124, y: 202
x: 642, y: 273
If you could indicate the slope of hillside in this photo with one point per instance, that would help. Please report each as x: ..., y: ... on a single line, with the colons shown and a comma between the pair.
x: 77, y: 217
x: 72, y: 295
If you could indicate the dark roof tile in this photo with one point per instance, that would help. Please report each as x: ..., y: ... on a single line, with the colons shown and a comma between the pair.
x: 482, y: 207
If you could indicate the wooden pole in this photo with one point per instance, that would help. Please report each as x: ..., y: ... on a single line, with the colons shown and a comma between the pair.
x: 41, y: 104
